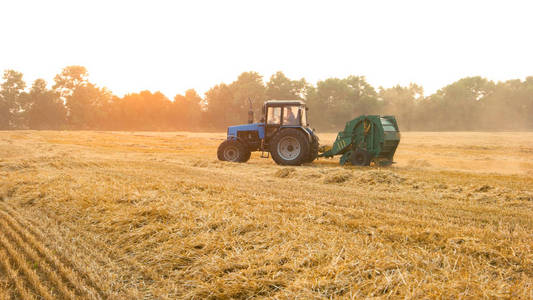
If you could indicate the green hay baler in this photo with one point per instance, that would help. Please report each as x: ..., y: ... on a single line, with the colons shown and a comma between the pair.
x: 366, y: 139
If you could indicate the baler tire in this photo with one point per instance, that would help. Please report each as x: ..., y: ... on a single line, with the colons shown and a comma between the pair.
x: 361, y: 158
x: 290, y: 135
x: 233, y: 150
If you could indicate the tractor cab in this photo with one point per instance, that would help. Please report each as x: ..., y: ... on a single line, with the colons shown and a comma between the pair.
x: 283, y: 132
x: 279, y: 114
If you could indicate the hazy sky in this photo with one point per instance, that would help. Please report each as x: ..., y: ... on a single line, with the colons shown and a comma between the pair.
x: 171, y: 46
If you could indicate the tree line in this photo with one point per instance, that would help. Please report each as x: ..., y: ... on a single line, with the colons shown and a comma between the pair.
x: 73, y: 102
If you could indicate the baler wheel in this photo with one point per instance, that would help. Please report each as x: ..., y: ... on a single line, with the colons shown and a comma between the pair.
x: 361, y: 158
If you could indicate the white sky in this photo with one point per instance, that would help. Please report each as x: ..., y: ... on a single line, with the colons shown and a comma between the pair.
x: 171, y: 46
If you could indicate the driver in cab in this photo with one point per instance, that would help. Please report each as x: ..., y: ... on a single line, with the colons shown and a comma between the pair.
x: 290, y: 118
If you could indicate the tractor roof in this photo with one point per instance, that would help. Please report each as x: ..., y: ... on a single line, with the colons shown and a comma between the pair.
x: 285, y: 102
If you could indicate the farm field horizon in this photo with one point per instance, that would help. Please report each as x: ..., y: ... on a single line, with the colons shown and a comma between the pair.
x: 123, y: 215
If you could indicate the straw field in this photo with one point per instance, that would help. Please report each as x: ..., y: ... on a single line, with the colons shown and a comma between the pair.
x: 131, y: 215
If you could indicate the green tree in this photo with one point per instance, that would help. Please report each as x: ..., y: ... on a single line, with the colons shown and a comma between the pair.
x: 281, y: 87
x: 336, y: 101
x: 363, y: 97
x: 70, y: 79
x: 45, y: 108
x: 249, y: 85
x: 5, y: 114
x: 457, y: 106
x: 220, y: 106
x: 528, y: 101
x: 333, y: 106
x: 142, y: 111
x: 12, y: 100
x: 88, y: 106
x: 402, y: 102
x: 508, y: 107
x: 187, y: 110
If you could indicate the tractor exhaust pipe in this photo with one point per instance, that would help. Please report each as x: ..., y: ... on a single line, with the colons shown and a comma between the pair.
x: 250, y: 116
x: 250, y: 112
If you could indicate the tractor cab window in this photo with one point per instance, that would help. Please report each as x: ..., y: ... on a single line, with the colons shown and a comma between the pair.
x: 274, y: 115
x: 303, y: 113
x: 291, y: 115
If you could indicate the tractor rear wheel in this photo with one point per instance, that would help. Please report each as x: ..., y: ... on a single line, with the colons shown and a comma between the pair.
x: 233, y: 150
x: 290, y: 147
x: 313, y: 150
x: 360, y: 158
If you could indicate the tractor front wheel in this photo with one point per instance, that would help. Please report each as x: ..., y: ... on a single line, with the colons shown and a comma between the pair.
x: 290, y: 147
x: 233, y: 150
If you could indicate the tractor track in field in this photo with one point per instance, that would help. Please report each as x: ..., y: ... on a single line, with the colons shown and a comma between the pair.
x: 88, y: 249
x: 33, y: 270
x: 107, y: 257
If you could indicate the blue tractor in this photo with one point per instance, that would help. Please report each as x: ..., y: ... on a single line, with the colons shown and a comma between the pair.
x: 283, y: 133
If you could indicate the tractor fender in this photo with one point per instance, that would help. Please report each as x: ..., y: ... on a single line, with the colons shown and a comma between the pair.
x: 309, y: 136
x: 235, y: 138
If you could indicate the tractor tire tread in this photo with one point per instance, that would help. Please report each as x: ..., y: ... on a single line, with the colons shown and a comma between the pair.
x: 313, y: 150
